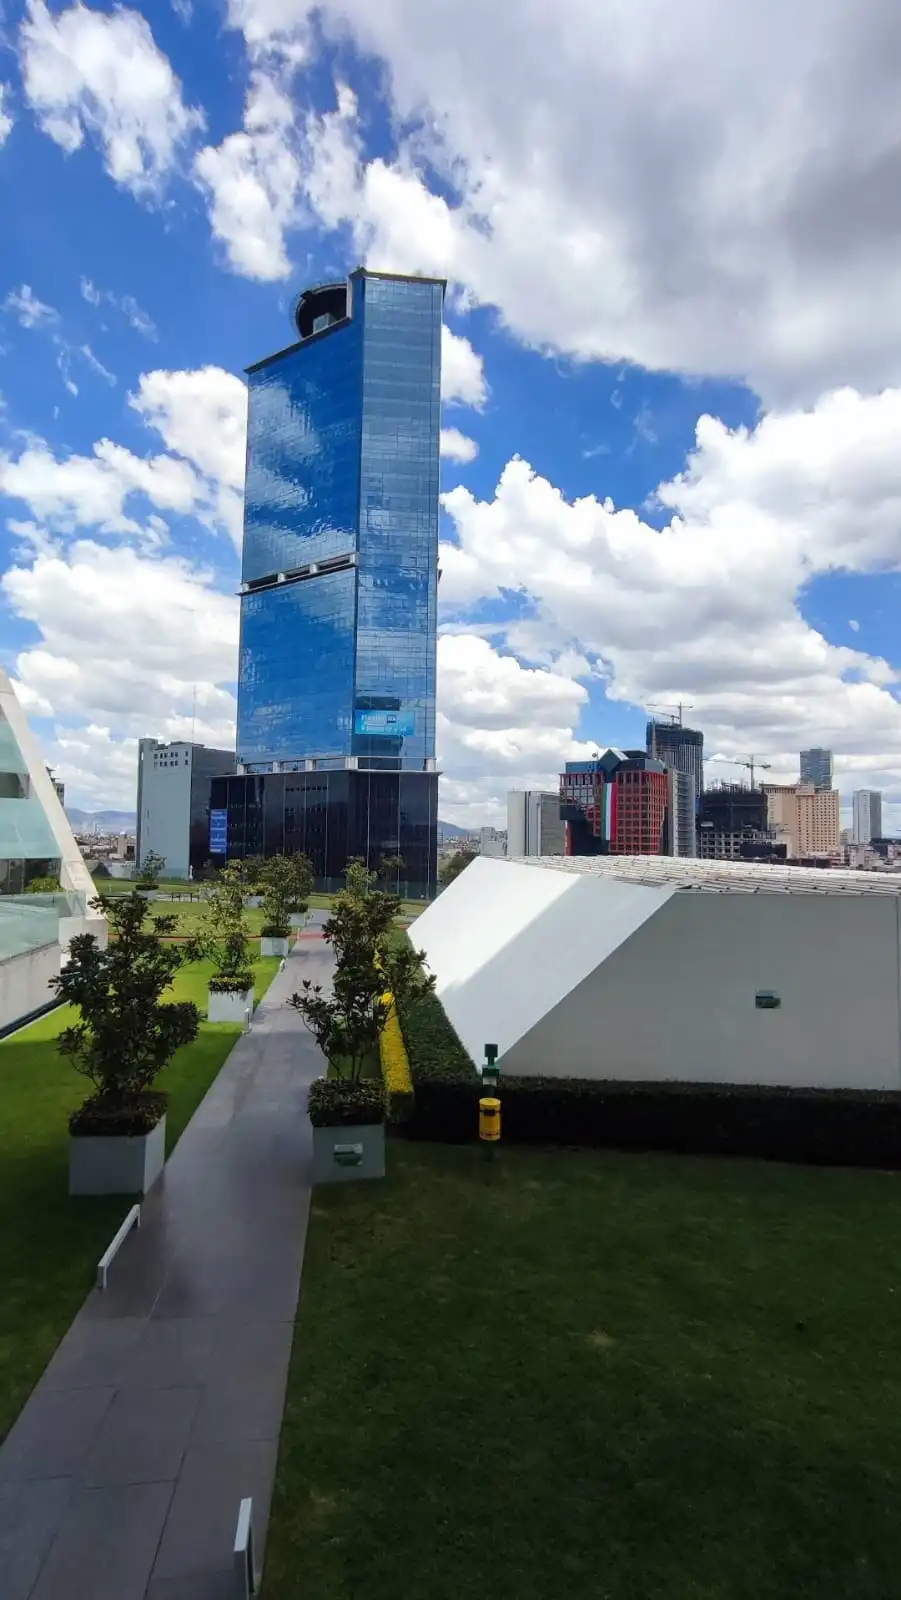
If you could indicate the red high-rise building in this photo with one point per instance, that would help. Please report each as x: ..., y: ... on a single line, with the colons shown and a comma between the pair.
x: 641, y: 798
x: 615, y: 805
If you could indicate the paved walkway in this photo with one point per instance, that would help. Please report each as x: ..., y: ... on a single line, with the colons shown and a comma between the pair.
x: 161, y: 1409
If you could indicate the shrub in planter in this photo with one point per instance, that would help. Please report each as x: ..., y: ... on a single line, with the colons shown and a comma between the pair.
x: 125, y: 1035
x: 334, y: 1103
x: 238, y: 984
x: 347, y: 1022
x: 286, y: 883
x: 348, y: 1130
x: 223, y: 937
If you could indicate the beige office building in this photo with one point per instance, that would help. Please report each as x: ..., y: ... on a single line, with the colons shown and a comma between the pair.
x: 806, y: 818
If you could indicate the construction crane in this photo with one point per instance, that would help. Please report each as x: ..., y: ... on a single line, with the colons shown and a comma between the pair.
x: 670, y: 710
x: 751, y: 763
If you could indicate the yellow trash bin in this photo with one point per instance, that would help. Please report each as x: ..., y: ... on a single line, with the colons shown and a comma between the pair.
x: 489, y: 1119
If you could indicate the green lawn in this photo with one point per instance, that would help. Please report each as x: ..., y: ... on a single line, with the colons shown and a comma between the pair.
x: 576, y: 1374
x: 318, y: 902
x: 49, y: 1244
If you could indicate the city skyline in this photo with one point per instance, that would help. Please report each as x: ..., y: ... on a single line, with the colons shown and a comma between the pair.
x: 610, y: 416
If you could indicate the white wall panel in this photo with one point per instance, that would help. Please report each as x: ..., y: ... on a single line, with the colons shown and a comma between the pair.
x: 507, y: 942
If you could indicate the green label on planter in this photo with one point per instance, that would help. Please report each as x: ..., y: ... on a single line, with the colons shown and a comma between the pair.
x: 348, y: 1155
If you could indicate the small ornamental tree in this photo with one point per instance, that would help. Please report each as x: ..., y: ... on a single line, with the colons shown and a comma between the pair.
x: 223, y: 938
x: 301, y: 883
x: 250, y: 870
x: 286, y: 882
x: 151, y: 870
x: 126, y: 1032
x: 454, y: 865
x: 390, y: 869
x: 370, y: 967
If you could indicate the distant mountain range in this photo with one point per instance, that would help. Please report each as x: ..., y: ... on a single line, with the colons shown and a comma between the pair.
x: 105, y: 821
x: 451, y: 831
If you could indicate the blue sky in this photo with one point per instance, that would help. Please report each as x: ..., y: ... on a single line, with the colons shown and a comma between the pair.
x: 674, y: 360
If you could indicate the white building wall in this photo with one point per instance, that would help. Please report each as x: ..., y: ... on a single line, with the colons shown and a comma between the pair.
x: 517, y: 805
x: 677, y: 999
x: 867, y: 815
x: 164, y: 822
x: 534, y: 827
x: 507, y: 942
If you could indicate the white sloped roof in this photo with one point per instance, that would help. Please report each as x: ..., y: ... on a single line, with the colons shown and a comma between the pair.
x: 502, y: 920
x: 718, y: 877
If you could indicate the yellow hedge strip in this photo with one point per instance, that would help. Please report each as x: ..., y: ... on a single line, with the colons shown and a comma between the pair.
x: 395, y: 1067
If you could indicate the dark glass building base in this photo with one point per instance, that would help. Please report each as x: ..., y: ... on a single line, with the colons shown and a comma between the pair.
x: 333, y: 817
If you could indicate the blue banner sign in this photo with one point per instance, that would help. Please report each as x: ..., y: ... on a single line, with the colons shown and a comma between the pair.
x: 218, y: 833
x: 390, y: 724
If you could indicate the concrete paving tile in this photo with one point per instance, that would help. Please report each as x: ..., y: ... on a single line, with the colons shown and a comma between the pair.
x: 201, y: 1586
x: 135, y: 1277
x: 214, y: 1479
x: 251, y: 1409
x: 91, y: 1353
x: 264, y: 1291
x: 170, y: 1354
x: 53, y: 1434
x: 106, y: 1544
x: 30, y: 1515
x: 246, y: 1346
x: 143, y: 1437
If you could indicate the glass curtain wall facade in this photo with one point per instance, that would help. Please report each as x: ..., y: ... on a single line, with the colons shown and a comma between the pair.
x: 339, y: 579
x: 337, y: 663
x: 332, y: 817
x: 28, y: 848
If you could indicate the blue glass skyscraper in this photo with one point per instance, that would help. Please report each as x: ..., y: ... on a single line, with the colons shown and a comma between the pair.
x: 339, y: 582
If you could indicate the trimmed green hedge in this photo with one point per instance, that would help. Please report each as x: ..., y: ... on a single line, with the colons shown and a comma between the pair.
x: 445, y: 1082
x: 833, y: 1127
x: 334, y: 1103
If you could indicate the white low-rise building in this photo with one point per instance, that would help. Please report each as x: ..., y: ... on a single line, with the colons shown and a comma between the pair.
x: 648, y: 968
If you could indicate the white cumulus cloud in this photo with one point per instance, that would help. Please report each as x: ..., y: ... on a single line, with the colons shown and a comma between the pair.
x: 455, y: 446
x: 710, y: 190
x: 6, y: 121
x: 709, y: 608
x: 102, y: 74
x: 462, y: 371
x: 252, y: 180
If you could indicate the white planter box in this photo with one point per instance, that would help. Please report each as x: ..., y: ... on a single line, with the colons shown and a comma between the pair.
x: 298, y: 919
x: 253, y: 901
x: 228, y: 1005
x: 274, y: 947
x: 347, y: 1155
x: 122, y: 1164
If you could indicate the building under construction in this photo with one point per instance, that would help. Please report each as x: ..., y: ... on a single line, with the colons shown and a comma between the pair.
x: 681, y: 749
x: 732, y: 825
